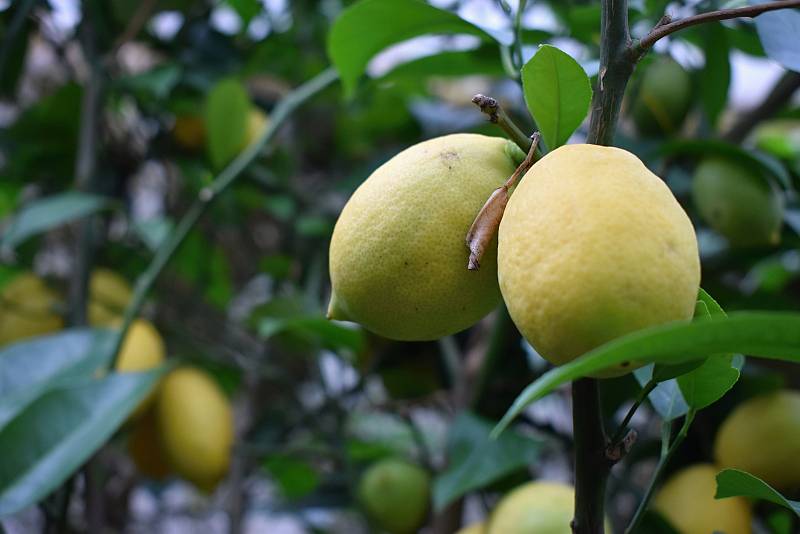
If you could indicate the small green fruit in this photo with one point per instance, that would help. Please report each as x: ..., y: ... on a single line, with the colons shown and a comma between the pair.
x: 663, y: 99
x: 396, y: 495
x: 398, y: 259
x: 738, y: 203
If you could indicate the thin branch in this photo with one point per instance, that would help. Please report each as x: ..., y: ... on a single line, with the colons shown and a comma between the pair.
x: 780, y: 94
x: 623, y: 426
x: 229, y: 174
x: 498, y: 116
x: 662, y: 30
x: 485, y: 225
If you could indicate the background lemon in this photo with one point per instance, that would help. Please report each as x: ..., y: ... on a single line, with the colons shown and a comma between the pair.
x: 663, y: 98
x: 687, y: 501
x: 195, y: 422
x: 27, y: 309
x: 398, y: 261
x: 109, y: 295
x: 593, y: 246
x: 737, y: 202
x: 762, y: 436
x: 144, y: 446
x: 395, y: 495
x: 141, y: 350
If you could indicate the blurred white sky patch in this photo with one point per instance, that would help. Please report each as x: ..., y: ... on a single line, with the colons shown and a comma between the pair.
x: 751, y: 79
x: 225, y: 20
x: 166, y: 24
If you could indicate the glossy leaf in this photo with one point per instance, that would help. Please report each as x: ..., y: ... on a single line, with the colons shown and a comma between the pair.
x: 68, y: 355
x: 49, y: 212
x: 778, y: 31
x: 57, y: 433
x: 765, y: 334
x: 735, y: 483
x: 715, y: 77
x: 367, y: 27
x: 330, y: 334
x: 227, y: 108
x: 477, y: 460
x: 557, y: 92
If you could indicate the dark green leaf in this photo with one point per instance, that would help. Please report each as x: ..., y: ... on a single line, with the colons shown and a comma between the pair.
x: 735, y: 483
x: 477, y: 460
x: 227, y: 108
x: 332, y: 335
x: 49, y: 212
x: 715, y: 78
x: 58, y: 358
x: 558, y: 93
x: 58, y: 432
x: 296, y: 478
x: 765, y: 334
x: 247, y: 9
x: 778, y: 31
x: 156, y: 83
x: 367, y: 27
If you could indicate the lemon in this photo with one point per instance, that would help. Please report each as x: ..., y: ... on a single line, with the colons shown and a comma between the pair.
x: 687, y: 501
x: 535, y: 508
x: 762, y: 436
x: 663, y: 99
x: 395, y: 495
x: 27, y: 309
x: 475, y: 528
x: 195, y: 422
x: 141, y: 350
x: 144, y: 447
x: 257, y: 121
x: 738, y: 203
x: 189, y: 132
x: 109, y: 295
x: 593, y: 246
x: 398, y: 260
x: 779, y: 137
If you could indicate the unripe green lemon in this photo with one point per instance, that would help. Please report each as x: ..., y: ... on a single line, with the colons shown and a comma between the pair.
x: 475, y: 528
x: 141, y: 350
x: 737, y: 202
x: 663, y: 98
x: 687, y: 501
x: 535, y: 508
x: 27, y: 309
x: 398, y: 260
x: 395, y: 495
x: 593, y: 246
x: 109, y: 295
x: 780, y: 137
x: 762, y: 436
x: 195, y: 422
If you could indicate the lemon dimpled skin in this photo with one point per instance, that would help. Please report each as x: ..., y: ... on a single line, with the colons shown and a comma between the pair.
x: 398, y: 258
x: 762, y: 436
x: 594, y: 246
x: 195, y: 422
x: 27, y: 309
x: 687, y: 501
x: 395, y: 495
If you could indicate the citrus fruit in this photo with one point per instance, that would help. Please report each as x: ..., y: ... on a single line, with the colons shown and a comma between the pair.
x: 738, y: 202
x: 687, y: 501
x: 475, y: 528
x: 398, y: 260
x: 593, y: 246
x: 27, y: 309
x: 141, y: 350
x: 762, y: 436
x: 195, y: 422
x: 663, y: 98
x: 109, y: 295
x: 395, y: 495
x: 144, y: 447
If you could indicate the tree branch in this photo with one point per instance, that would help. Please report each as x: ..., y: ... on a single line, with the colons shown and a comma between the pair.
x: 497, y: 115
x: 662, y: 30
x: 783, y: 91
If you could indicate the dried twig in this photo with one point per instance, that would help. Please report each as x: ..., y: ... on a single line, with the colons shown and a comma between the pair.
x: 485, y: 226
x: 498, y: 116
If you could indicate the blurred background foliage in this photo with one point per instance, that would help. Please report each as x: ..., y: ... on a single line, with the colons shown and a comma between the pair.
x: 185, y: 85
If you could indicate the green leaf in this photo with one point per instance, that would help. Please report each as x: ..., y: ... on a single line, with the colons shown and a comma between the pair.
x: 296, y: 478
x: 227, y: 108
x: 157, y: 82
x: 735, y: 483
x: 557, y: 92
x: 453, y: 63
x: 477, y: 460
x: 61, y: 357
x: 715, y: 78
x: 367, y: 27
x: 247, y: 9
x: 765, y: 334
x: 49, y: 212
x: 778, y: 31
x: 332, y: 335
x: 58, y: 432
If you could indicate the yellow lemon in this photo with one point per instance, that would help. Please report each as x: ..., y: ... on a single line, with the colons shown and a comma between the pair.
x: 195, y: 422
x: 475, y: 528
x: 593, y: 246
x: 762, y: 436
x: 257, y: 121
x: 687, y: 501
x: 141, y: 350
x: 398, y: 262
x: 109, y: 295
x: 27, y: 309
x: 535, y: 508
x: 396, y: 495
x: 144, y: 447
